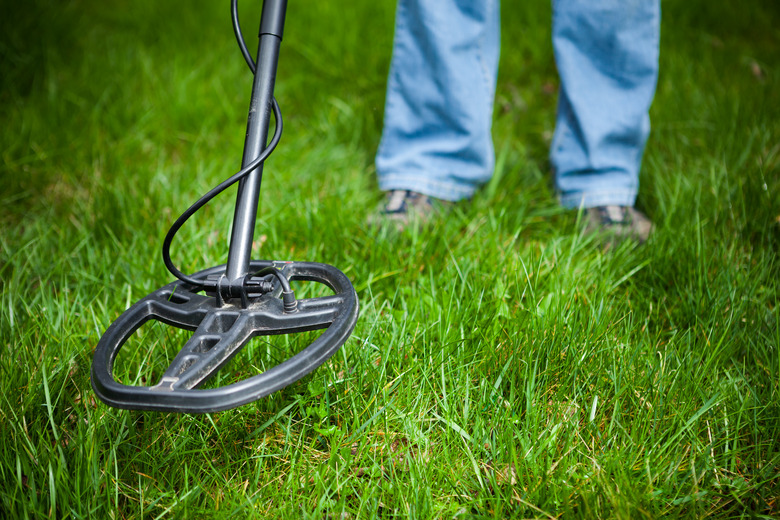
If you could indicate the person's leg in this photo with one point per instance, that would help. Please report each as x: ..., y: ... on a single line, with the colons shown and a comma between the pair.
x: 436, y: 138
x: 607, y: 57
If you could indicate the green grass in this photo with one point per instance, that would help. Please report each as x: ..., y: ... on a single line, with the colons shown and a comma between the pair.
x: 503, y: 365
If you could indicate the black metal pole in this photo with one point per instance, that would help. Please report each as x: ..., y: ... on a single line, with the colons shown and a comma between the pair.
x: 258, y: 122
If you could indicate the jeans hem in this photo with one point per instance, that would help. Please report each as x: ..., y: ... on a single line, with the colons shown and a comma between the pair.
x: 597, y: 198
x: 417, y: 182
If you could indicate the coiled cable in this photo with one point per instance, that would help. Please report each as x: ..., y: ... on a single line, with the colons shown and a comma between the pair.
x: 184, y: 217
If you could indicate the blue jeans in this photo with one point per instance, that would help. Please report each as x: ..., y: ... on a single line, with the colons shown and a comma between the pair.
x: 437, y: 129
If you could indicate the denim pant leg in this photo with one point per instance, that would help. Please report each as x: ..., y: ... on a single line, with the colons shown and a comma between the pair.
x: 607, y: 57
x: 437, y: 129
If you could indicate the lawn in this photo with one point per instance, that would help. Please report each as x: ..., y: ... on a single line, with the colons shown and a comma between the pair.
x: 503, y: 365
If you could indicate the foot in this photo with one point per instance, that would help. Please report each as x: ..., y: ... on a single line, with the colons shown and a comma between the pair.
x: 620, y: 222
x: 404, y: 207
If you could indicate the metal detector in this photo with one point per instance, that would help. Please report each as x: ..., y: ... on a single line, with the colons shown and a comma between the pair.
x: 228, y: 305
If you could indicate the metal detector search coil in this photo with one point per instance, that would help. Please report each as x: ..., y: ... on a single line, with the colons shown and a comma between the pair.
x: 227, y: 306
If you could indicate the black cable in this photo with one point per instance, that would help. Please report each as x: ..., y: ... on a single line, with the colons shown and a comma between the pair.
x: 240, y: 36
x: 184, y: 217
